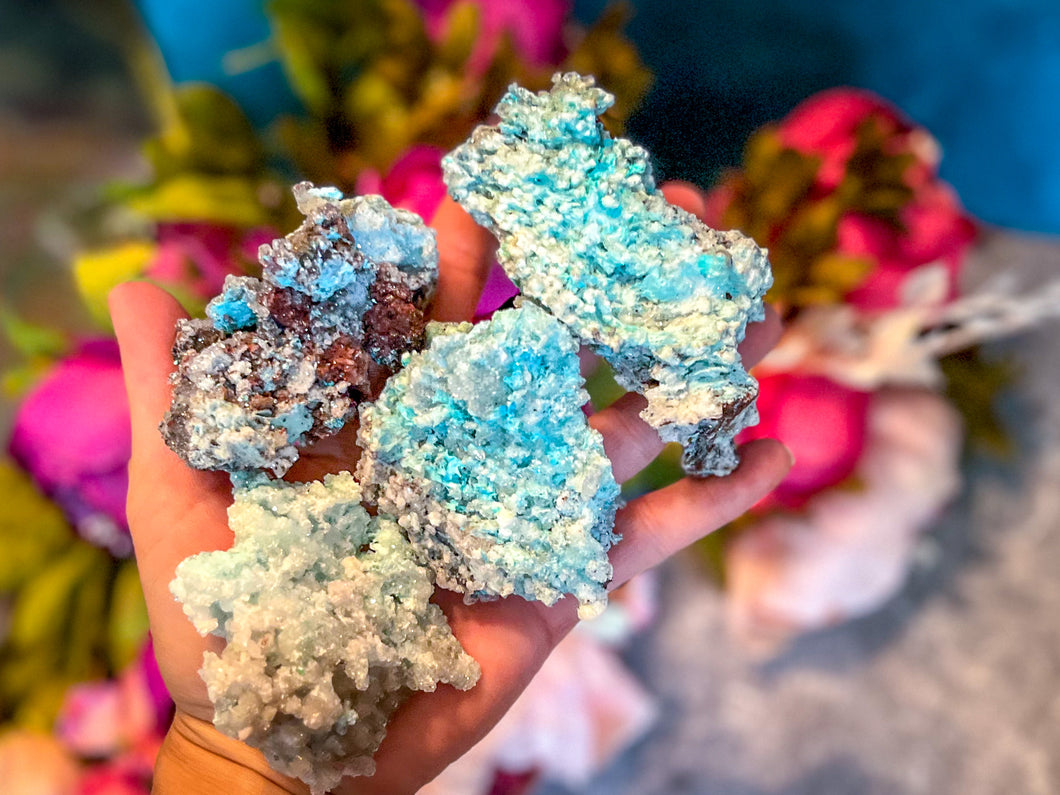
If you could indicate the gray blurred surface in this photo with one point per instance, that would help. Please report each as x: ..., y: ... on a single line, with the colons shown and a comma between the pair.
x: 953, y: 687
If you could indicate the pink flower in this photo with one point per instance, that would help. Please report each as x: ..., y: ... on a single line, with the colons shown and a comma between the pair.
x: 413, y: 183
x: 934, y: 227
x: 848, y: 551
x: 71, y: 433
x: 107, y: 779
x: 496, y: 292
x: 827, y: 123
x: 536, y: 28
x: 122, y: 719
x: 821, y: 422
x: 194, y: 258
x: 936, y: 231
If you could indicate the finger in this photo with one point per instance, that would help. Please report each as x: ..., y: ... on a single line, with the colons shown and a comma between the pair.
x: 686, y: 196
x: 465, y: 253
x: 657, y: 525
x: 630, y: 442
x: 145, y: 319
x: 174, y: 511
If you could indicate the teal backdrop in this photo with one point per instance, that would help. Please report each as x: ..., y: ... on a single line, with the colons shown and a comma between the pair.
x: 982, y: 75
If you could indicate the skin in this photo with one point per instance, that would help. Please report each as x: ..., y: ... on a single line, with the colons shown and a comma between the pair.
x: 175, y: 511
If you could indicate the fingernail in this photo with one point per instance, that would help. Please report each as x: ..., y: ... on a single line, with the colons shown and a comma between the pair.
x: 791, y: 455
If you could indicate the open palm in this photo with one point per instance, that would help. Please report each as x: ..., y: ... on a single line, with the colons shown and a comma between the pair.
x: 175, y: 511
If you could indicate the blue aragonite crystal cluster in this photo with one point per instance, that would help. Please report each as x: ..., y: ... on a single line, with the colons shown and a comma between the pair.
x: 480, y: 448
x: 328, y: 627
x: 584, y: 231
x: 284, y: 360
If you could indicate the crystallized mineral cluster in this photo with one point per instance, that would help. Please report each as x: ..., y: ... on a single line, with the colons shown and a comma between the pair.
x: 285, y: 360
x: 480, y: 448
x: 584, y: 231
x: 328, y: 627
x: 479, y: 464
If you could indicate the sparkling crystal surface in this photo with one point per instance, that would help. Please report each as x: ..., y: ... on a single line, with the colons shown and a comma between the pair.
x: 584, y: 231
x: 285, y: 360
x: 328, y: 627
x: 480, y: 447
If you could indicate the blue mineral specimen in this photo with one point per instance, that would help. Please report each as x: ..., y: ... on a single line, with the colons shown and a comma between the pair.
x: 327, y: 622
x: 480, y: 448
x: 584, y: 231
x: 283, y: 361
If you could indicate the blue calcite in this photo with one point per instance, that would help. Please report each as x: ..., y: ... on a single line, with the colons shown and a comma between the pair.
x: 584, y: 231
x: 480, y: 448
x: 284, y: 360
x: 328, y: 626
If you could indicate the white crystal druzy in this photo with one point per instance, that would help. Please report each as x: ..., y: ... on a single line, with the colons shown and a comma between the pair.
x: 328, y: 627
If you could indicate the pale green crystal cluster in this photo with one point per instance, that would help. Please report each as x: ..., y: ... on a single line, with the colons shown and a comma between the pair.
x: 584, y: 231
x: 328, y: 627
x: 480, y: 447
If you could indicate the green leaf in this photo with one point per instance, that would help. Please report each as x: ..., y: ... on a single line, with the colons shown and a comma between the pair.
x: 23, y: 673
x: 43, y: 607
x: 602, y: 387
x: 462, y: 25
x: 33, y: 531
x: 86, y: 631
x: 127, y: 623
x: 213, y: 136
x: 41, y: 701
x: 973, y: 384
x: 29, y: 339
x: 603, y: 51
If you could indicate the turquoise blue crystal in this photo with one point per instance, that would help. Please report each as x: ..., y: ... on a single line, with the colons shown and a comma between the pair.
x: 480, y: 448
x: 327, y: 622
x: 237, y: 307
x: 585, y: 232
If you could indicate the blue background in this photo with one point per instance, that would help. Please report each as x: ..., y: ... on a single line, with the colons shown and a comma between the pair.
x: 982, y: 75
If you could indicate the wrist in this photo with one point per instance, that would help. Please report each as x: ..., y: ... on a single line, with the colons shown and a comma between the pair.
x: 196, y: 758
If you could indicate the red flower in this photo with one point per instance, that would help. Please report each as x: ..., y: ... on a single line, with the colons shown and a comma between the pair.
x: 821, y: 422
x: 933, y: 227
x: 71, y: 433
x: 936, y: 230
x: 827, y: 124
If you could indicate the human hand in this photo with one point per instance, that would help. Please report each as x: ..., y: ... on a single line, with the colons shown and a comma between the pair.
x: 175, y: 511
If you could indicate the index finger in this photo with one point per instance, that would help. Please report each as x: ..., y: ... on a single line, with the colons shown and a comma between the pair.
x: 465, y: 253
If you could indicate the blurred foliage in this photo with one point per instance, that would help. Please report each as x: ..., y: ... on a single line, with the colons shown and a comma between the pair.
x: 74, y: 612
x: 372, y: 82
x: 37, y: 346
x: 777, y: 201
x: 973, y: 384
x: 98, y: 272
